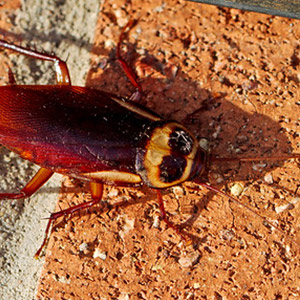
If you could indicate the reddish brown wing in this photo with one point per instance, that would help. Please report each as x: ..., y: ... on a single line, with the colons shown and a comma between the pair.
x: 69, y: 129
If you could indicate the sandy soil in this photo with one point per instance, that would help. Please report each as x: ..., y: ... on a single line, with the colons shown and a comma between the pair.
x: 237, y: 73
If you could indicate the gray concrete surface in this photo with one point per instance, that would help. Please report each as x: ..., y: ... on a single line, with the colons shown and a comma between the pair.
x: 67, y: 28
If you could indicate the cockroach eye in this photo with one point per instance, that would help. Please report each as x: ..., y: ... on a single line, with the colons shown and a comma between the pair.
x: 181, y: 142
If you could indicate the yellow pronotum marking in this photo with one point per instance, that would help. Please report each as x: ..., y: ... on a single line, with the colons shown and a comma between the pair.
x: 157, y: 148
x: 114, y: 176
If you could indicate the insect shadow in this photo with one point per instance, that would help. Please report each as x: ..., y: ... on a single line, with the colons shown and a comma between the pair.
x: 174, y: 95
x: 228, y: 128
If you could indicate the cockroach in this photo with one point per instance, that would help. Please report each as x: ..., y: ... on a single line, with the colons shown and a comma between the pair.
x: 95, y: 136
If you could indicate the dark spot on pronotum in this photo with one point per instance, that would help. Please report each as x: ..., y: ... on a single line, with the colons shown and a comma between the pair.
x: 171, y: 168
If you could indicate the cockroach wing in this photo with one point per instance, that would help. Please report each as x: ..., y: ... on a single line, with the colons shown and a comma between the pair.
x: 71, y: 130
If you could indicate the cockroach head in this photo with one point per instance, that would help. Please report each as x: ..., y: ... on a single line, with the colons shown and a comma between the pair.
x: 171, y: 155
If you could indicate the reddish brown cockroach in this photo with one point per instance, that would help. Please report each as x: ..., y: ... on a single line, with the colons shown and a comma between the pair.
x: 94, y: 136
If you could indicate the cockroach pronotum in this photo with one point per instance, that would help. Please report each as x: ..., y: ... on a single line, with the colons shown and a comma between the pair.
x: 94, y: 136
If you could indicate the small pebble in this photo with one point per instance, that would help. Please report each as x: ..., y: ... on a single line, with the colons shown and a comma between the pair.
x: 236, y: 189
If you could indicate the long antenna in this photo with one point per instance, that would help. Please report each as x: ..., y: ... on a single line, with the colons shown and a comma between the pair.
x: 216, y: 190
x: 292, y: 156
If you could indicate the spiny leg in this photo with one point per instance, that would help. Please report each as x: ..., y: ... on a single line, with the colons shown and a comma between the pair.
x: 61, y: 69
x: 31, y: 187
x: 11, y: 77
x: 96, y: 191
x: 137, y: 95
x: 165, y: 217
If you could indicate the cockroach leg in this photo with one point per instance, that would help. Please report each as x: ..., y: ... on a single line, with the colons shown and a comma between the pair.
x: 11, y: 77
x: 96, y: 192
x: 61, y: 69
x: 137, y: 95
x: 31, y: 187
x: 166, y: 219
